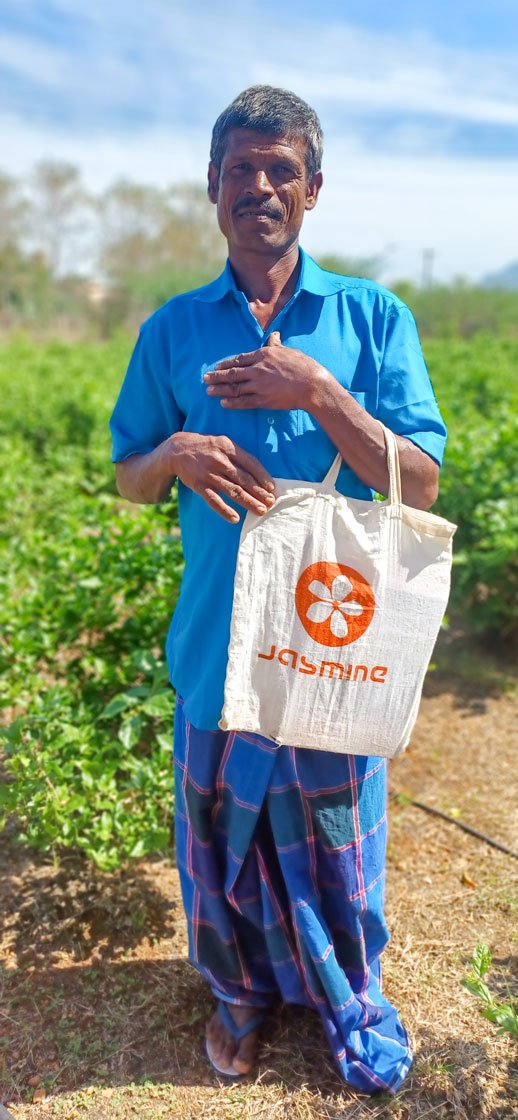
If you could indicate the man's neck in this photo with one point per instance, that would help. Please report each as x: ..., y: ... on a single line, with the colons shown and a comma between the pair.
x: 267, y: 282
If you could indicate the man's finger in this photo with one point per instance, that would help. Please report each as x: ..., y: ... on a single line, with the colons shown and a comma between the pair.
x: 243, y: 459
x: 245, y: 481
x: 244, y: 400
x: 238, y: 360
x: 242, y: 496
x: 274, y: 339
x: 227, y: 376
x: 239, y: 388
x: 219, y: 506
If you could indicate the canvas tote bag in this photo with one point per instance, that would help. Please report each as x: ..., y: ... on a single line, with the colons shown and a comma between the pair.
x: 337, y: 606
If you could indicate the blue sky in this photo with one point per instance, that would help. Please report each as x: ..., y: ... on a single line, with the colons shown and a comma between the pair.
x: 419, y: 104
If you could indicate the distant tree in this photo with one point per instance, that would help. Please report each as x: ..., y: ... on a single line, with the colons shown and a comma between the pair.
x: 13, y: 212
x: 201, y: 242
x: 21, y: 279
x: 131, y: 220
x: 27, y: 290
x: 154, y: 243
x: 60, y: 209
x: 367, y: 268
x: 144, y: 229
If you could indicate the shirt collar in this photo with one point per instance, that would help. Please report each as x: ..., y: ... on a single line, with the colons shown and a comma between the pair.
x: 312, y: 279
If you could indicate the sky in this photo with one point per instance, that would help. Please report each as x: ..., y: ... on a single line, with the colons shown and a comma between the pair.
x: 418, y: 102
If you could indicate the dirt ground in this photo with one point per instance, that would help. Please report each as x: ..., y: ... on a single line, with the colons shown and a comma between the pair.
x: 102, y: 1017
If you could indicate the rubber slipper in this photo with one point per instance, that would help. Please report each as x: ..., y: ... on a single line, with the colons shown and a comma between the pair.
x: 237, y: 1033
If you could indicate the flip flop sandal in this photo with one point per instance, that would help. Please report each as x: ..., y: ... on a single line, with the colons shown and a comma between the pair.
x: 237, y: 1034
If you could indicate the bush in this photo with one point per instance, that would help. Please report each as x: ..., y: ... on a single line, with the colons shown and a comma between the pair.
x: 88, y: 583
x: 475, y: 386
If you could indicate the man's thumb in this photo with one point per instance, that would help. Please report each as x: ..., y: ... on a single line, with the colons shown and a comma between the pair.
x: 274, y: 339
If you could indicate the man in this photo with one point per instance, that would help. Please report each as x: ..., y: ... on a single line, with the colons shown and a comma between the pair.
x: 264, y: 373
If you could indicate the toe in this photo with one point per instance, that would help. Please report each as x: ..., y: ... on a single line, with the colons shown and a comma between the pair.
x: 247, y: 1053
x: 217, y: 1036
x: 228, y: 1051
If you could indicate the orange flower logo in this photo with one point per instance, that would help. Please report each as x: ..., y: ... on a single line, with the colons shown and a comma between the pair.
x: 334, y: 603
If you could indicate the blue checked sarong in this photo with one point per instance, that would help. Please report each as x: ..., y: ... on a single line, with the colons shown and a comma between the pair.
x: 281, y: 855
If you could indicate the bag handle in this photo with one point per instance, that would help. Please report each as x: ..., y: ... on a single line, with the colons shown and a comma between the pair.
x: 331, y: 477
x: 394, y: 494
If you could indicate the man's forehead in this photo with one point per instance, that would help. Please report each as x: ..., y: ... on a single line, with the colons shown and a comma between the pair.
x: 241, y: 140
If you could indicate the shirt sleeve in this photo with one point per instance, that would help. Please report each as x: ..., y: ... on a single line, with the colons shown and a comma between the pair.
x: 406, y: 402
x: 146, y: 412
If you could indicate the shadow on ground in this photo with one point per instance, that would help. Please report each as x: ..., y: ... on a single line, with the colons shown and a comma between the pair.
x: 474, y: 670
x: 95, y: 987
x: 96, y: 991
x: 455, y: 1077
x: 123, y: 1023
x: 71, y: 907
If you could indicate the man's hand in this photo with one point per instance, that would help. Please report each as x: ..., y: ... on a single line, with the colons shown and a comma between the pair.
x: 278, y: 377
x: 273, y: 377
x: 213, y: 466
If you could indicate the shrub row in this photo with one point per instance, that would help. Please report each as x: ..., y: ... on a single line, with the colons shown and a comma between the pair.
x: 88, y: 582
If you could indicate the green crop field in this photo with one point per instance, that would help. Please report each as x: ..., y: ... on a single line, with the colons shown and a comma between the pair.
x: 88, y: 583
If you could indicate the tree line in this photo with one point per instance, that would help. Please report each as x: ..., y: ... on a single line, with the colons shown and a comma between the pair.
x: 67, y: 253
x: 92, y: 262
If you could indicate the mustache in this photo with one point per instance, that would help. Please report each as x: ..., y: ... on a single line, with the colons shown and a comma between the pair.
x: 269, y: 209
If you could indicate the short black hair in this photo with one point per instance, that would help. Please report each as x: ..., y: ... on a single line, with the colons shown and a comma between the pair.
x: 270, y: 110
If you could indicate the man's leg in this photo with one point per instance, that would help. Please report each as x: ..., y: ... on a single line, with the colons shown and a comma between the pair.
x: 281, y: 853
x: 218, y: 797
x: 327, y: 814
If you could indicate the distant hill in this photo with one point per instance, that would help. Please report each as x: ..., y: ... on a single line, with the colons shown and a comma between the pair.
x: 506, y: 278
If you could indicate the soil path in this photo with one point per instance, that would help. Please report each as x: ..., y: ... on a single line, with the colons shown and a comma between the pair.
x: 102, y: 1017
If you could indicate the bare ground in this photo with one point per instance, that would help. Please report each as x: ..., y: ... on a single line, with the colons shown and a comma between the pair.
x: 101, y: 1016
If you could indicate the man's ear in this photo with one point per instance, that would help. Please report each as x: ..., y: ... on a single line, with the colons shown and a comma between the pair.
x: 313, y: 190
x: 212, y: 182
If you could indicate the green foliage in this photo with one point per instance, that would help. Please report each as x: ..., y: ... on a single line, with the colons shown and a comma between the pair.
x: 88, y: 583
x: 475, y: 384
x: 504, y: 1015
x: 367, y: 268
x: 461, y: 309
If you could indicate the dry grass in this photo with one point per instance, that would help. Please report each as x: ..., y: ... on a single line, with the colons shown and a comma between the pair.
x: 103, y: 1014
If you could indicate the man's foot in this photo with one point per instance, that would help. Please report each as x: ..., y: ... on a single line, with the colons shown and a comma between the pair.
x: 233, y: 1038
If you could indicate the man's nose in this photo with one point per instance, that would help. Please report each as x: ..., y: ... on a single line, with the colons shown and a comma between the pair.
x: 259, y: 183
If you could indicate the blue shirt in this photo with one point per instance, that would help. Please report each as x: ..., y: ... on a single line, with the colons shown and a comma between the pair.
x: 358, y: 330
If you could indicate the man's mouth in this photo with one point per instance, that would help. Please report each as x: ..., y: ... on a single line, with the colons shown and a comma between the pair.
x: 253, y: 212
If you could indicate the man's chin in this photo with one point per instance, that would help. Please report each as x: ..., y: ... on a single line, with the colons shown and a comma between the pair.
x: 257, y: 233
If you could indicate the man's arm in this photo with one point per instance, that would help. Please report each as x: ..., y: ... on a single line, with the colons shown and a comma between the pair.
x: 212, y: 466
x: 360, y: 440
x: 146, y: 478
x: 278, y: 377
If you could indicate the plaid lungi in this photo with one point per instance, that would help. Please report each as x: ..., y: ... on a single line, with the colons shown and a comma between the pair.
x: 281, y: 855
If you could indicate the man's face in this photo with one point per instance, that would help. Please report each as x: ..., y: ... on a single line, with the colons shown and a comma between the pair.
x: 262, y: 190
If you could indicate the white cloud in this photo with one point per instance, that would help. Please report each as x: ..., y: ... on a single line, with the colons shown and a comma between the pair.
x: 462, y: 209
x: 200, y: 56
x: 29, y: 59
x: 176, y: 65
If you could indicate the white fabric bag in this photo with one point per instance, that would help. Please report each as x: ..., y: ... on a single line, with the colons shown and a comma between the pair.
x: 337, y: 606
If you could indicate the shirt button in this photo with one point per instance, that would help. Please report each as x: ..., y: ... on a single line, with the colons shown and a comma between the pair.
x: 271, y: 419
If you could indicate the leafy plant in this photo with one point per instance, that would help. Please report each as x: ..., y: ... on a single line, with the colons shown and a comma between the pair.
x: 475, y: 386
x: 88, y: 583
x: 504, y: 1015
